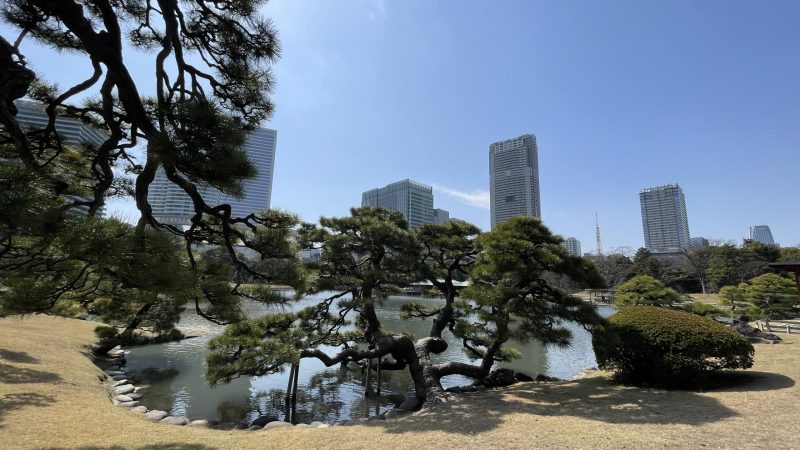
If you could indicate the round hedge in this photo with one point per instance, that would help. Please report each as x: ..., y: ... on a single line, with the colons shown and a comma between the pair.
x: 669, y: 348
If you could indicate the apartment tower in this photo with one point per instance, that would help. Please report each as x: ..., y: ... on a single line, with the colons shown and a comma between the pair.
x: 664, y: 221
x: 514, y: 179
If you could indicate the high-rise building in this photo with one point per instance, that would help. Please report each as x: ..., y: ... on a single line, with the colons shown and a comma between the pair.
x: 440, y: 216
x: 412, y: 198
x: 573, y: 246
x: 32, y: 116
x: 664, y: 221
x: 514, y: 179
x: 172, y: 206
x: 698, y: 242
x: 761, y: 233
x: 260, y: 148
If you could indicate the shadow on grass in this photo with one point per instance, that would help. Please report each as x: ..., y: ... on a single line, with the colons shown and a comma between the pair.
x: 594, y: 398
x: 17, y: 357
x: 170, y: 446
x: 11, y: 402
x: 16, y: 375
x: 750, y: 381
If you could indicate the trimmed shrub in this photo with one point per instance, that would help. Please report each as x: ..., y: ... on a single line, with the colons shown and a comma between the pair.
x: 668, y: 348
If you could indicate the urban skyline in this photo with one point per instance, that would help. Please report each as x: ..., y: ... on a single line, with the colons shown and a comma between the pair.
x: 688, y: 97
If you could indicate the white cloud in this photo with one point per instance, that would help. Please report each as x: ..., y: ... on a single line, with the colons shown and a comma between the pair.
x: 477, y: 197
x: 377, y: 9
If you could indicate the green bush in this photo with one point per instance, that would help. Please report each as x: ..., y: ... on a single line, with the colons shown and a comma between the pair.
x: 704, y: 309
x: 664, y: 347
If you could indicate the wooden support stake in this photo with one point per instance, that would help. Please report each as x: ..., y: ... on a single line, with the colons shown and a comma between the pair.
x: 378, y: 387
x: 294, y: 391
x: 287, y: 417
x: 367, y: 383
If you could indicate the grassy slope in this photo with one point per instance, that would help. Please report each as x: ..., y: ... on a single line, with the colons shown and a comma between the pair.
x: 50, y: 397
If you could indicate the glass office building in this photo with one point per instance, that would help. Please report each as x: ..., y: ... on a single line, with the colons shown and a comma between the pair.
x: 412, y: 198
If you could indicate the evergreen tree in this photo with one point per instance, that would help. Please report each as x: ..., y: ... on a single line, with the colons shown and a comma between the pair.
x: 772, y: 296
x: 644, y: 290
x: 367, y: 255
x: 733, y: 296
x: 212, y: 79
x: 644, y: 263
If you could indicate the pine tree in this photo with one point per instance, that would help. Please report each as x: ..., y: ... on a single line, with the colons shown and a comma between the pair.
x: 212, y: 81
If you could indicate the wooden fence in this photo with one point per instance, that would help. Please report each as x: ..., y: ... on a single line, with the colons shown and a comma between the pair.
x: 780, y: 326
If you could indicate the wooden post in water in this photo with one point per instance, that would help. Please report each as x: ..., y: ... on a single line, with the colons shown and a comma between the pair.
x: 288, y: 413
x: 294, y: 391
x: 367, y: 383
x: 378, y: 387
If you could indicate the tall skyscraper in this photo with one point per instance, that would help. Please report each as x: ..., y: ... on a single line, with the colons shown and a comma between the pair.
x: 412, y: 198
x: 172, y: 206
x: 573, y: 246
x: 514, y: 179
x: 32, y: 116
x: 666, y: 227
x: 440, y: 216
x: 761, y: 233
x: 260, y: 148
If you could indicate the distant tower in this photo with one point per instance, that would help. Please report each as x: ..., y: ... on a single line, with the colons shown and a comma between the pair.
x: 171, y: 205
x: 514, y: 179
x: 664, y: 221
x: 412, y: 198
x: 573, y: 246
x: 599, y: 249
x: 761, y: 233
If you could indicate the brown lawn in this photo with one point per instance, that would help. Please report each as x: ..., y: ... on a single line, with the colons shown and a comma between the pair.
x: 51, y: 397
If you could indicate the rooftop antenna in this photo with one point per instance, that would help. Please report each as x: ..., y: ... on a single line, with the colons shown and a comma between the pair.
x: 599, y: 249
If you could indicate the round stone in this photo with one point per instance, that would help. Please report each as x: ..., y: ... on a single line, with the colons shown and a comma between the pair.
x: 156, y: 415
x: 174, y: 420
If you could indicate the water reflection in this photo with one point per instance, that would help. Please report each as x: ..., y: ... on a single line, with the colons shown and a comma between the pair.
x: 173, y: 373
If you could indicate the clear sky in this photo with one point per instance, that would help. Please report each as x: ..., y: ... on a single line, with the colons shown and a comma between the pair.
x: 621, y: 95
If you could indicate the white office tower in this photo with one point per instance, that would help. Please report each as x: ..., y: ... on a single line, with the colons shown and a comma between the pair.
x: 171, y: 205
x: 664, y: 221
x: 573, y: 246
x: 514, y: 179
x: 260, y: 148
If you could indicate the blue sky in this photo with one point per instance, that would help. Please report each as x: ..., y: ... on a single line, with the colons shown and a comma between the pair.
x: 621, y: 95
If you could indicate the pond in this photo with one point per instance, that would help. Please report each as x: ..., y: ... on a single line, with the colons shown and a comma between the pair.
x: 173, y: 373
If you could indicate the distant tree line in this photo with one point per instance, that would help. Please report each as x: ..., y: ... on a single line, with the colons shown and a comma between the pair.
x: 702, y: 270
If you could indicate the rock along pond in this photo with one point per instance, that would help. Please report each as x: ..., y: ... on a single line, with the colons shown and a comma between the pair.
x: 173, y: 372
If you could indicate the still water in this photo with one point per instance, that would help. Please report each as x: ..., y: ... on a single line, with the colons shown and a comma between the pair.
x: 173, y: 373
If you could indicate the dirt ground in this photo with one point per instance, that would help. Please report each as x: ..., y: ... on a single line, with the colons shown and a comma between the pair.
x: 51, y: 397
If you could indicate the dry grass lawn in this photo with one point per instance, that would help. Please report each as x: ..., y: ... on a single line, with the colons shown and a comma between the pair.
x: 711, y: 299
x: 51, y: 397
